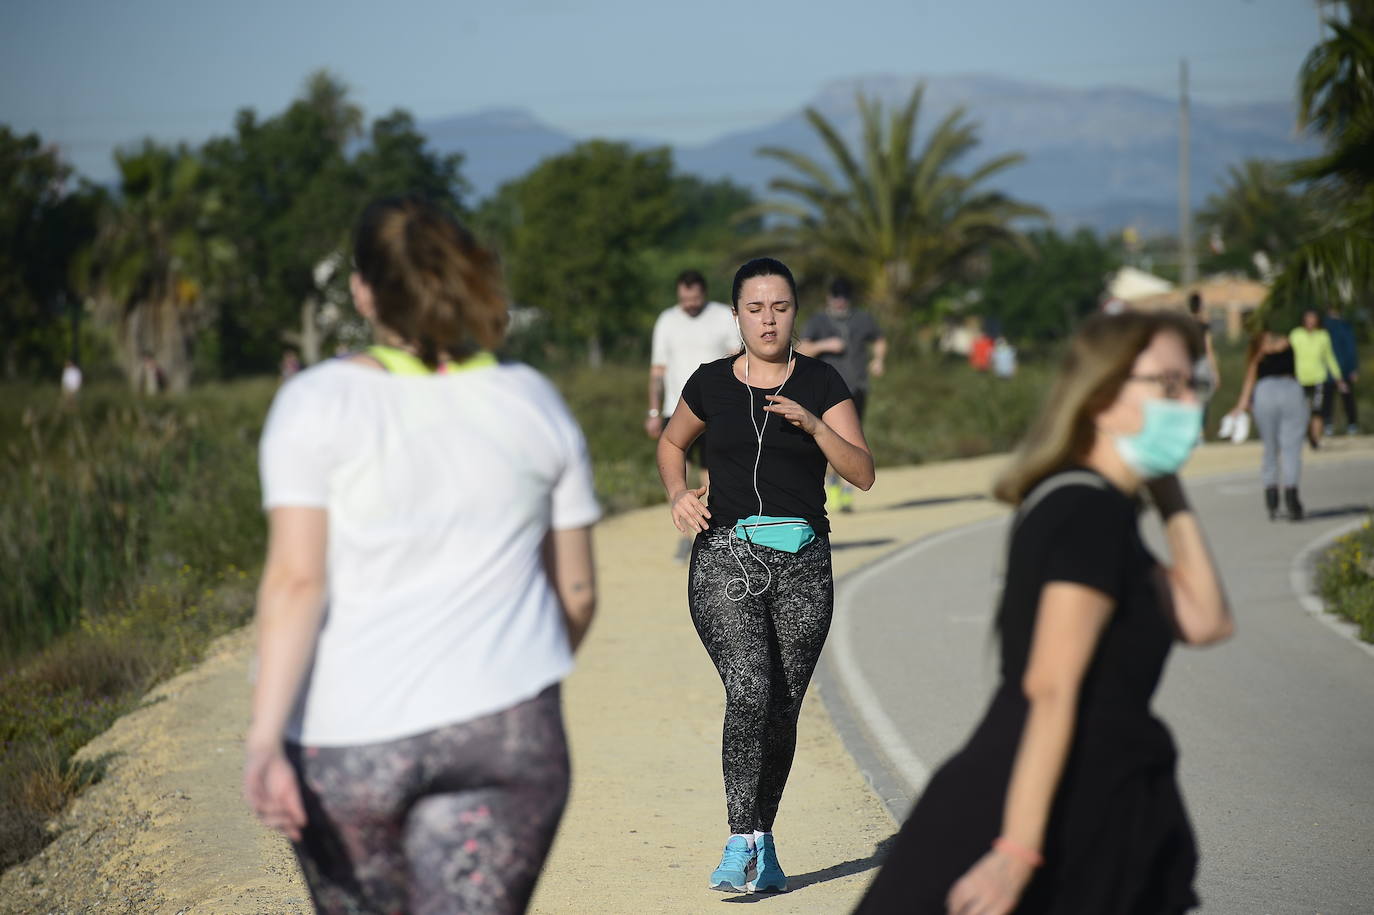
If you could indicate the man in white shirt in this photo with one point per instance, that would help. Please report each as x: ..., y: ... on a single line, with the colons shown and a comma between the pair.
x: 71, y: 380
x: 689, y: 333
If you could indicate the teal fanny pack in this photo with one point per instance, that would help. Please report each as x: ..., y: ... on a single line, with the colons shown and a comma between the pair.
x: 786, y: 534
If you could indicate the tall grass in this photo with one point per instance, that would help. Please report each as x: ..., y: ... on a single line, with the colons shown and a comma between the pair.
x: 112, y: 492
x: 128, y: 529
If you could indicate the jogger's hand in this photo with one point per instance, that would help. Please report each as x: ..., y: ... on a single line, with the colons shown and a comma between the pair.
x: 271, y: 789
x: 689, y: 512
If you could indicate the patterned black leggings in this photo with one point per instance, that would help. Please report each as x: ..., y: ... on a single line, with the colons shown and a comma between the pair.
x: 457, y: 819
x: 765, y: 649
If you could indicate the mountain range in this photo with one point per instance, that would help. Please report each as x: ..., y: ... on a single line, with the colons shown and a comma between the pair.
x: 1105, y: 158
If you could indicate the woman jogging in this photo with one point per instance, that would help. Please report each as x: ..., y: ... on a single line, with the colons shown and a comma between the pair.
x: 759, y: 584
x: 1271, y: 390
x: 428, y: 573
x: 1064, y: 799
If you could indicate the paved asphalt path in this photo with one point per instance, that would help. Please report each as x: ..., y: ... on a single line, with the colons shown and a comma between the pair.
x: 1275, y: 728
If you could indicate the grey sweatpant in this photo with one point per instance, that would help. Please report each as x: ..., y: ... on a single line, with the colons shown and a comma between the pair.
x: 1281, y: 413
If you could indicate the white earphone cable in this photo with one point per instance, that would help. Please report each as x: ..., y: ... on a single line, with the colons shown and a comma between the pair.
x: 758, y: 457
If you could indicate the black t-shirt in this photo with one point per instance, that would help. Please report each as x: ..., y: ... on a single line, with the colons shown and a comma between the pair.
x: 858, y: 330
x: 1088, y: 535
x: 792, y: 469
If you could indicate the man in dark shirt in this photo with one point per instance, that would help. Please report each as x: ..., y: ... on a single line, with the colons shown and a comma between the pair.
x: 841, y: 336
x: 1348, y: 358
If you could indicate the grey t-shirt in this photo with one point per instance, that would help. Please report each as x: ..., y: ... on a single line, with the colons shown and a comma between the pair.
x: 858, y: 330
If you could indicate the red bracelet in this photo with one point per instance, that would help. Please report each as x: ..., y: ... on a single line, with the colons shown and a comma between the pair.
x: 1018, y: 851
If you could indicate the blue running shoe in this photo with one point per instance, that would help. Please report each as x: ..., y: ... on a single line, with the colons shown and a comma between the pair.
x: 735, y: 867
x: 770, y: 878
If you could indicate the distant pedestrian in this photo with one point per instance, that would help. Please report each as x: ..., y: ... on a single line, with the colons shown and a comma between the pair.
x: 428, y: 576
x: 1065, y: 798
x: 149, y: 380
x: 1207, y: 372
x: 1282, y: 413
x: 691, y: 332
x: 956, y: 339
x: 71, y: 381
x: 290, y: 364
x: 980, y: 354
x: 1004, y: 359
x: 1315, y: 363
x: 760, y: 588
x: 849, y: 340
x: 1348, y: 359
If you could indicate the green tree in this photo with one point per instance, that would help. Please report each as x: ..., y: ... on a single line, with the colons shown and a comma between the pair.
x: 1335, y: 263
x: 1257, y: 217
x: 291, y: 193
x: 397, y: 162
x: 898, y: 220
x: 290, y: 196
x: 575, y: 229
x: 45, y: 223
x: 1039, y: 291
x: 153, y: 260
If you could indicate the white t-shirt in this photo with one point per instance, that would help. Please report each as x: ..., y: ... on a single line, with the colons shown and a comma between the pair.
x: 439, y: 490
x: 682, y: 343
x: 71, y: 379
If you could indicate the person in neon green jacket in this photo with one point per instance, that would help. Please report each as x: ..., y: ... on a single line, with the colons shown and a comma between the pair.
x: 1314, y: 361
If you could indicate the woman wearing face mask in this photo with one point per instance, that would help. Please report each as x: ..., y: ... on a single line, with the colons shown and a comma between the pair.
x: 759, y: 585
x: 1064, y: 799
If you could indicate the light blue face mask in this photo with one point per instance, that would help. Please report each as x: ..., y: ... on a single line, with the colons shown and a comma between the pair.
x: 1172, y: 430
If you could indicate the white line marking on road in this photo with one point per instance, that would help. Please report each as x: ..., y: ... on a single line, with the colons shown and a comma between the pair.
x: 862, y: 698
x: 1301, y: 580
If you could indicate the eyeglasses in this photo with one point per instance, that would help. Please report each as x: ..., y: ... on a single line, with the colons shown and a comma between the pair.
x: 1175, y: 383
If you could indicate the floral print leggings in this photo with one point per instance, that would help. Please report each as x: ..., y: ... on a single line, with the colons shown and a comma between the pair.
x: 765, y: 649
x: 458, y: 819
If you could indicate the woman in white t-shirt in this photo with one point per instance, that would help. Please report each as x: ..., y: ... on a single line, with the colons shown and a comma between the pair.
x: 428, y: 574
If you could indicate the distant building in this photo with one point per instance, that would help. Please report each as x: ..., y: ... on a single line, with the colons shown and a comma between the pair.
x: 1227, y: 299
x: 1130, y: 284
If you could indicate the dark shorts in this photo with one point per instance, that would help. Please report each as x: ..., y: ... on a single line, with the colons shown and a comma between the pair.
x: 1316, y: 397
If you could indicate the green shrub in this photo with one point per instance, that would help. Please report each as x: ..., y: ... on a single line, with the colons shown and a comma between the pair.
x: 1345, y: 579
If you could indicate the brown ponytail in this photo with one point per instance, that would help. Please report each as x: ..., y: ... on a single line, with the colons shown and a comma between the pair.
x: 432, y: 283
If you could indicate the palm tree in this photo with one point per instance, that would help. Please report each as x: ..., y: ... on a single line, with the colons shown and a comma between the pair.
x: 1336, y: 81
x: 900, y: 222
x: 152, y: 259
x: 1257, y: 216
x: 1336, y: 99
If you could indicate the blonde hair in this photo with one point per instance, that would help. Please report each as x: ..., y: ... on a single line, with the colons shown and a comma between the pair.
x: 1100, y: 357
x: 432, y: 283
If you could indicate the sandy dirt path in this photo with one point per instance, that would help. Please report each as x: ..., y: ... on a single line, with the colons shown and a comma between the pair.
x: 165, y: 831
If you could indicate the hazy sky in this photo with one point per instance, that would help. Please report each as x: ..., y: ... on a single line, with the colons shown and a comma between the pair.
x: 90, y: 74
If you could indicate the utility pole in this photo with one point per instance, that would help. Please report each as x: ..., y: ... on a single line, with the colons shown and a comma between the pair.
x: 1187, y: 256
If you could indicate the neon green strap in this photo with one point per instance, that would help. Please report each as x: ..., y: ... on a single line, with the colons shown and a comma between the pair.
x: 399, y: 362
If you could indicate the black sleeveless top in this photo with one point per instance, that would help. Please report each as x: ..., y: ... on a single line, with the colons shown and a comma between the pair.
x: 1275, y: 365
